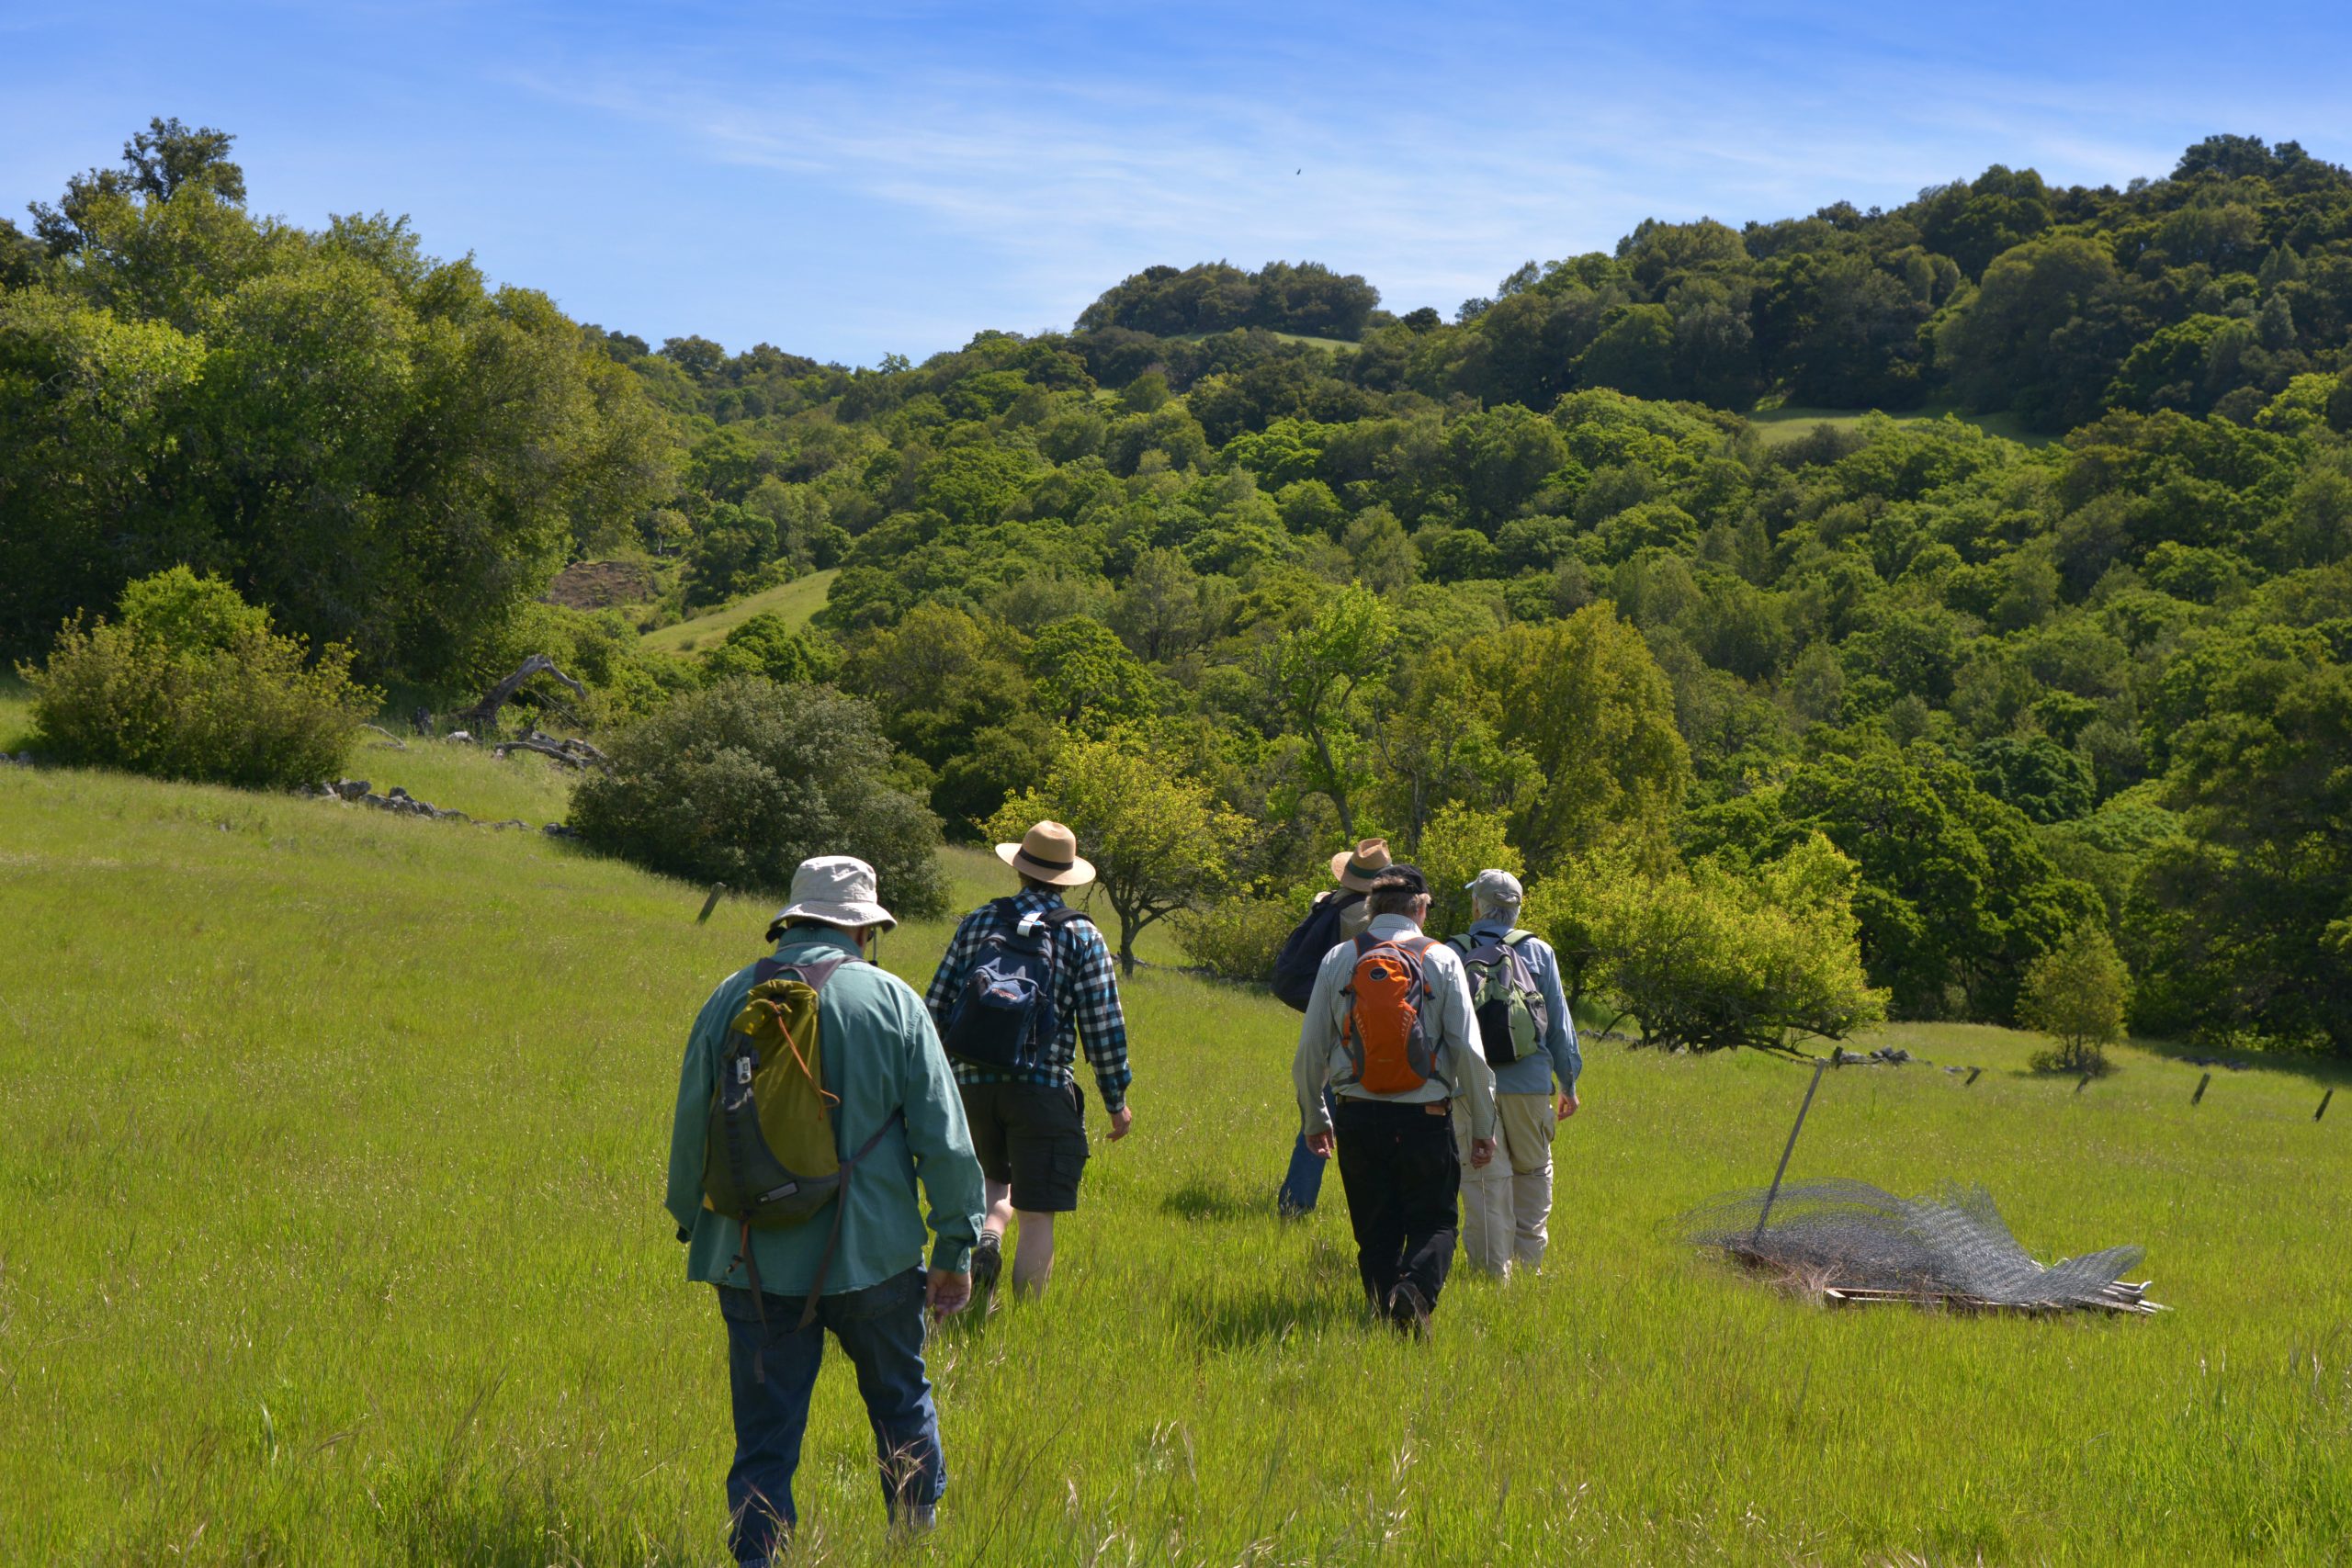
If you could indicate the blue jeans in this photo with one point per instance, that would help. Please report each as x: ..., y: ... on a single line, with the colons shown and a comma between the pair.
x: 881, y: 1328
x: 1304, y: 1182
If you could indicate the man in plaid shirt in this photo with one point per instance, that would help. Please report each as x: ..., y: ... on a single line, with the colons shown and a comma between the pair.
x: 1029, y: 1125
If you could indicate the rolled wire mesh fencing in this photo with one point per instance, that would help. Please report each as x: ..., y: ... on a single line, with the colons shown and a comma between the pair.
x: 1854, y: 1242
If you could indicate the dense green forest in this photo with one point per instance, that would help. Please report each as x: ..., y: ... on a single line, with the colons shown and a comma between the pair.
x: 1350, y: 571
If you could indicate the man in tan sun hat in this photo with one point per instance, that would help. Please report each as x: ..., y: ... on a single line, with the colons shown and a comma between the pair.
x: 1338, y: 914
x: 1025, y: 986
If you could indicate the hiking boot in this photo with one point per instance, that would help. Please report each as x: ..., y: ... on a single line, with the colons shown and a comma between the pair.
x: 988, y: 1262
x: 1409, y: 1311
x: 914, y: 1519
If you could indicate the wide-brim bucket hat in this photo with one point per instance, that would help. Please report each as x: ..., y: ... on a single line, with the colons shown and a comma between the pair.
x: 1048, y: 853
x: 840, y: 890
x: 1354, y: 869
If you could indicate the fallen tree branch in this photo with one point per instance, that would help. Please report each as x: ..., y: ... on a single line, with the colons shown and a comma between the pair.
x: 546, y: 748
x: 483, y: 714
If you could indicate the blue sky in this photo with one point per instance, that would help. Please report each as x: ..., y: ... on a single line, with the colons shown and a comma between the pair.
x: 854, y: 181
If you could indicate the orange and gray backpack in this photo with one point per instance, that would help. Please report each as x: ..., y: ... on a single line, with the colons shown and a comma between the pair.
x: 1390, y: 1047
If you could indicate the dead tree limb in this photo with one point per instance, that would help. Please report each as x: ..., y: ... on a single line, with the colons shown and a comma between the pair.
x: 544, y: 746
x: 483, y: 714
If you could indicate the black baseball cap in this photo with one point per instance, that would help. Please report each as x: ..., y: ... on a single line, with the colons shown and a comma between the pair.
x: 1402, y: 875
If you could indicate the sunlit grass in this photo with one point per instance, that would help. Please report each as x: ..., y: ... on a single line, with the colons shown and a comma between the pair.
x: 1779, y: 425
x: 330, y: 1148
x: 796, y: 601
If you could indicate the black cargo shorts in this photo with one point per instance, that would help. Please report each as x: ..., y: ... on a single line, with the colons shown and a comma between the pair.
x: 1031, y: 1137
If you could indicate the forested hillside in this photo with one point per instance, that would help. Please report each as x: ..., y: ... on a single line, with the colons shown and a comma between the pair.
x: 1531, y: 574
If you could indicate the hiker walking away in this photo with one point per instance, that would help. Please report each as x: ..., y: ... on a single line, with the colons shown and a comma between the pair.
x: 1025, y: 986
x: 1527, y: 1037
x: 813, y: 1099
x: 1389, y: 1031
x: 1337, y: 915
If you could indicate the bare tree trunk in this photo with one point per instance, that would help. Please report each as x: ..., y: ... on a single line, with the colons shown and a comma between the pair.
x: 484, y: 714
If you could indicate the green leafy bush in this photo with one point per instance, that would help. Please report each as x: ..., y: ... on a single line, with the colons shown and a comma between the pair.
x: 191, y: 682
x: 741, y: 781
x: 1237, y: 938
x: 769, y: 646
x: 2078, y: 994
x: 1710, y: 958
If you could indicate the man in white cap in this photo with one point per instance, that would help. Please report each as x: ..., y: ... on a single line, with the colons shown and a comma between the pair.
x: 1027, y: 1113
x: 1505, y: 1207
x: 892, y: 1102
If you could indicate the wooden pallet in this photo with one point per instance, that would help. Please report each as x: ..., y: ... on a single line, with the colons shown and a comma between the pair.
x: 2120, y: 1296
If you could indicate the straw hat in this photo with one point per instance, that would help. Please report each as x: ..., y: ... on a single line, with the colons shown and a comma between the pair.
x: 1048, y: 853
x: 1354, y: 869
x: 840, y: 890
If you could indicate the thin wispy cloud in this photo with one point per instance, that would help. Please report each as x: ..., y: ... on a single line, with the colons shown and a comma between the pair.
x: 899, y: 177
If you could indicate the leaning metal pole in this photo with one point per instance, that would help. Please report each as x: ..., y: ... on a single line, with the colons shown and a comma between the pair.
x: 1818, y: 1069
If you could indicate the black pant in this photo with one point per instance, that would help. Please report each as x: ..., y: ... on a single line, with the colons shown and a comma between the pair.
x: 1402, y: 1177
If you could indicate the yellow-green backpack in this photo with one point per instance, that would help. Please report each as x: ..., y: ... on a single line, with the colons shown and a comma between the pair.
x: 770, y: 1158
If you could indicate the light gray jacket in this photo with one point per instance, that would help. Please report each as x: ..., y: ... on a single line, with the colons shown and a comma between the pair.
x: 1322, y: 1063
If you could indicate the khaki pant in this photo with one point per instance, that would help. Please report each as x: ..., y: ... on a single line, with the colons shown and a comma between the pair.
x: 1505, y: 1207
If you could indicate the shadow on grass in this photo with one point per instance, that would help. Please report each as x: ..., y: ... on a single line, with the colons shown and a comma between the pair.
x: 2322, y: 1070
x: 1222, y: 1203
x: 1269, y: 1316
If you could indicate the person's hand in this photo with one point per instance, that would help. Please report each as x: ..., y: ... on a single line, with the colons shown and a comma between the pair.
x: 948, y: 1291
x: 1482, y: 1153
x: 1321, y: 1145
x: 1567, y: 1104
x: 1121, y: 1120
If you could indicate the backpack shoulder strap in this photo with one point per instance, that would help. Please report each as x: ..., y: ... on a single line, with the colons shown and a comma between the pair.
x: 1514, y: 936
x: 1061, y: 915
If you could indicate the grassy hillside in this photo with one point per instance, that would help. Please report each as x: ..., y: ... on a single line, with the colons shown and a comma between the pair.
x: 1779, y: 425
x: 795, y: 601
x: 330, y: 1148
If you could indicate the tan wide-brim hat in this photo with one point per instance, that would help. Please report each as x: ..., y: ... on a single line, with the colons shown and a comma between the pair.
x: 1049, y: 852
x: 1354, y: 869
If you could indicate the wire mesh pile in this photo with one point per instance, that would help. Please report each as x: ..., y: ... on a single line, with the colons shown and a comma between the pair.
x: 1854, y: 1243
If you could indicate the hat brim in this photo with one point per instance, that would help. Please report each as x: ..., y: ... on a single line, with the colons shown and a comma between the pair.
x: 847, y: 915
x: 1078, y: 873
x: 1353, y: 882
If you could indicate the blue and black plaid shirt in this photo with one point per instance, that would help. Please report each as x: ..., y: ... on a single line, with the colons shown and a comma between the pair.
x: 1086, y: 999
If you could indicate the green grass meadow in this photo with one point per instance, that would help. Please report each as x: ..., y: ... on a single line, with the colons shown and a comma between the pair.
x: 796, y: 601
x: 331, y: 1153
x: 1778, y: 426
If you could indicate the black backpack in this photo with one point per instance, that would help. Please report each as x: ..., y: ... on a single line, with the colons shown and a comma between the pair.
x: 1304, y: 953
x: 1004, y: 1011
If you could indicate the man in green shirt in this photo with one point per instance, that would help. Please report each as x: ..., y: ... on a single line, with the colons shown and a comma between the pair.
x: 883, y: 1060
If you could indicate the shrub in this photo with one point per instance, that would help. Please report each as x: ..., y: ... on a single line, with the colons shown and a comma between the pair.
x: 767, y: 645
x: 2077, y: 993
x: 1238, y: 938
x: 742, y: 781
x: 191, y: 682
x: 1709, y: 958
x: 1459, y: 843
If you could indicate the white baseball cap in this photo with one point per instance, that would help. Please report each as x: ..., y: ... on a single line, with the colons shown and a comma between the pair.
x: 1492, y: 886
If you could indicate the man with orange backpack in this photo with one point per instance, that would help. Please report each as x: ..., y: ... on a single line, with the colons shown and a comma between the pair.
x: 1389, y: 1031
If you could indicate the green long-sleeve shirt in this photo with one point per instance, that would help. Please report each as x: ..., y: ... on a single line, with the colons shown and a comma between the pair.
x: 882, y: 1058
